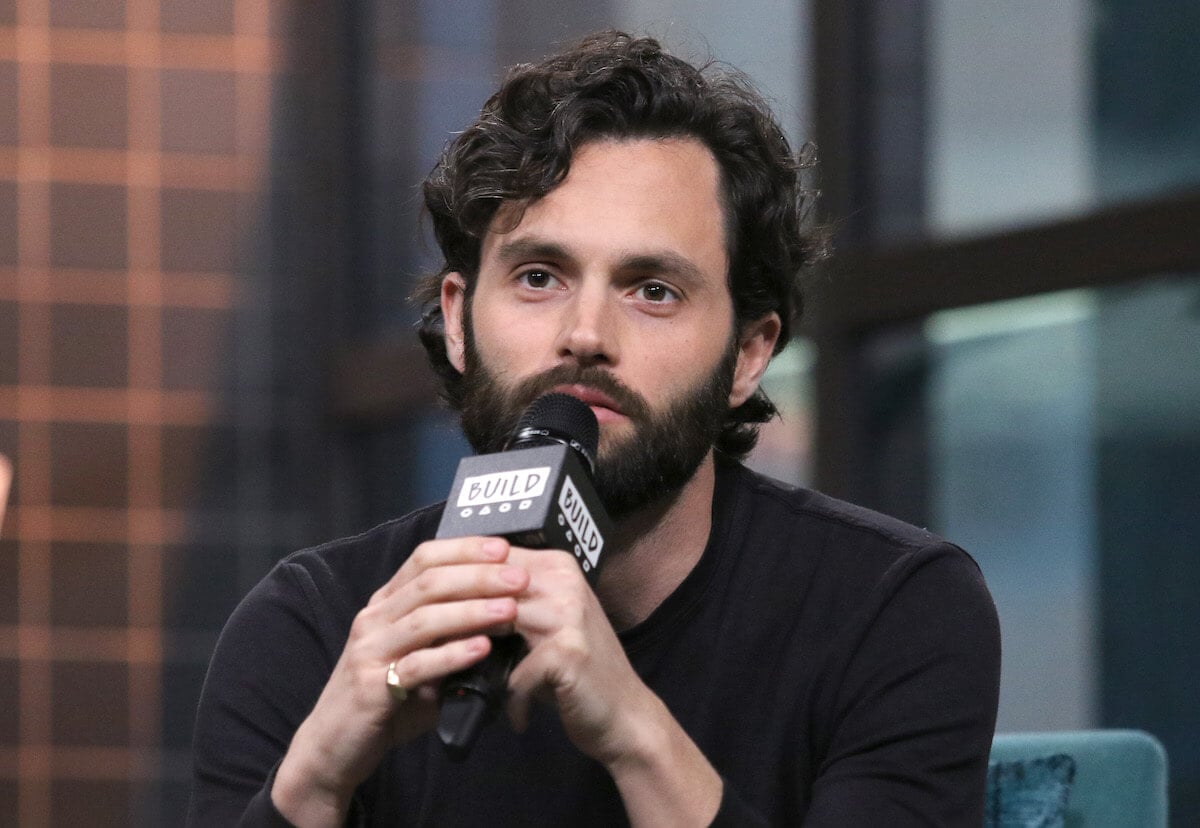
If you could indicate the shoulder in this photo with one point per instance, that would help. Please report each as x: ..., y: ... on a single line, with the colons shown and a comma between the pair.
x: 891, y: 640
x: 352, y: 568
x: 773, y: 500
x: 842, y: 554
x: 301, y: 611
x: 326, y: 585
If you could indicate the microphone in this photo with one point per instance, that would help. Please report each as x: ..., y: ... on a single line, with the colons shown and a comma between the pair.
x: 537, y: 493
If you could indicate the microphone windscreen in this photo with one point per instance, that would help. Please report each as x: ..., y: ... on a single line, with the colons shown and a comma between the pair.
x: 563, y: 416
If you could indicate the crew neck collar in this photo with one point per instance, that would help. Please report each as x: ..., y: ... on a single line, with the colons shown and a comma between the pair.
x: 688, y: 596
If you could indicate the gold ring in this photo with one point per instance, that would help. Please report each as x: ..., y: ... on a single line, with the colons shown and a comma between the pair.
x: 398, y: 691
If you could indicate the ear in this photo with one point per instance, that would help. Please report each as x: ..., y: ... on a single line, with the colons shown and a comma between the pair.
x: 756, y: 343
x: 454, y: 295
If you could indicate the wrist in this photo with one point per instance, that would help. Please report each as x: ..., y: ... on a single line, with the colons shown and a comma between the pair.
x: 644, y: 738
x: 663, y: 776
x: 301, y: 793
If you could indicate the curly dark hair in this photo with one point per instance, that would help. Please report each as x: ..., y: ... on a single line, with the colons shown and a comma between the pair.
x: 614, y: 86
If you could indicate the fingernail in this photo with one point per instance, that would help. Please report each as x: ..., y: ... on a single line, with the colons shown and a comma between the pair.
x: 495, y: 548
x: 512, y: 575
x: 499, y: 606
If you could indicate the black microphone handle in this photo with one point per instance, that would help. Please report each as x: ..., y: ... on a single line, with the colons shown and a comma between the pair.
x: 471, y: 697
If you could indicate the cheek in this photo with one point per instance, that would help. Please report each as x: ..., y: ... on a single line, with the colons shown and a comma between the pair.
x: 679, y: 360
x: 510, y: 345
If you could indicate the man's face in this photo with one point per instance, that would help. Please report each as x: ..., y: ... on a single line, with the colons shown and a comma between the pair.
x: 611, y: 288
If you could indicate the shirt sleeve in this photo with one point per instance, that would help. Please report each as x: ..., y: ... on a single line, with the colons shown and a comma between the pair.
x: 266, y: 673
x: 734, y: 812
x: 911, y: 702
x: 261, y: 810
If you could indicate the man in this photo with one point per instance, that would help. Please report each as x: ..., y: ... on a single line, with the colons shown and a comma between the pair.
x: 622, y: 227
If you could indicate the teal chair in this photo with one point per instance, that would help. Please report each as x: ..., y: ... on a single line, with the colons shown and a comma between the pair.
x: 1120, y: 775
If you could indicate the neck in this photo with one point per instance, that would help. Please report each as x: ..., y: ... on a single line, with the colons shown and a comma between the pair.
x: 655, y: 549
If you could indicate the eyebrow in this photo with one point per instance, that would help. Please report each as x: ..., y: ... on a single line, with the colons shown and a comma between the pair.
x: 532, y: 248
x: 658, y: 261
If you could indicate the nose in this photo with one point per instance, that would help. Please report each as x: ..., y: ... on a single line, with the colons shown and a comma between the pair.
x: 588, y: 334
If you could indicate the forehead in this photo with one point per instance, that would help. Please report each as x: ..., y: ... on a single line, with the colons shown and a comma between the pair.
x: 633, y: 195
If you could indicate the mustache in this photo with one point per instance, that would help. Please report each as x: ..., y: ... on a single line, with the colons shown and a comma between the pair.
x: 631, y: 403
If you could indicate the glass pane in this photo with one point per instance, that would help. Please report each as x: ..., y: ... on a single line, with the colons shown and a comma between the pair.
x: 1011, y: 402
x: 784, y: 449
x: 1041, y: 110
x: 1061, y: 440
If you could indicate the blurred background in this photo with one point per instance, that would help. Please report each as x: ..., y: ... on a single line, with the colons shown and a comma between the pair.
x: 209, y: 227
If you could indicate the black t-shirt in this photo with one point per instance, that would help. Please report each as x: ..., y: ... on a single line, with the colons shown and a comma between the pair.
x: 837, y: 667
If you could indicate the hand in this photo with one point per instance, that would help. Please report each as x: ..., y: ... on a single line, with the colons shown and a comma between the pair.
x: 575, y: 660
x: 432, y: 618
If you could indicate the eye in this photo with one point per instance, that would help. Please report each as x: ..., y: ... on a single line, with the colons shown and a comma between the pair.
x: 537, y: 279
x: 657, y: 292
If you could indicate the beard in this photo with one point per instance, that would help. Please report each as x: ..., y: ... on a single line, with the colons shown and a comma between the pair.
x: 633, y: 472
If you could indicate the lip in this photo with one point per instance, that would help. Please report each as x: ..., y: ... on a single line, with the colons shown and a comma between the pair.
x: 603, y: 406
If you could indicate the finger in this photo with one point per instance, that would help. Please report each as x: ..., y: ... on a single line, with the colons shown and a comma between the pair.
x: 527, y: 684
x: 552, y: 571
x: 547, y: 607
x: 516, y: 706
x: 432, y: 664
x: 542, y: 558
x: 445, y: 552
x: 430, y: 625
x: 459, y: 582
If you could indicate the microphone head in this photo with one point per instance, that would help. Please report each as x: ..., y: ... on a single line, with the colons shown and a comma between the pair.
x: 558, y: 418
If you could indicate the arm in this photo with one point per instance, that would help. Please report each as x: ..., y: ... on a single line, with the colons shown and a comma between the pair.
x: 911, y: 704
x: 266, y: 672
x: 280, y: 696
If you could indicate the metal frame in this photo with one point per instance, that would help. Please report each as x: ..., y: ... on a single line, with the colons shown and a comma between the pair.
x: 865, y: 292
